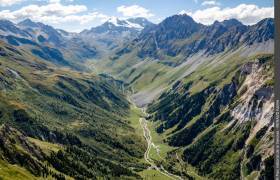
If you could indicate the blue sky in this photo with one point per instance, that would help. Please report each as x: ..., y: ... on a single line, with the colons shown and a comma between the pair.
x: 76, y: 15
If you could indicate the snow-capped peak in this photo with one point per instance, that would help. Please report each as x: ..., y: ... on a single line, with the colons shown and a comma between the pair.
x: 124, y: 23
x: 114, y: 21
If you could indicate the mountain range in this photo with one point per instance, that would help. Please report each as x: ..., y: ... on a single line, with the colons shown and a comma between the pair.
x: 181, y: 35
x: 74, y: 105
x: 115, y: 32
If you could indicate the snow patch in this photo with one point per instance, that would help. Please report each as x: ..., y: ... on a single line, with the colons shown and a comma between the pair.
x: 124, y: 23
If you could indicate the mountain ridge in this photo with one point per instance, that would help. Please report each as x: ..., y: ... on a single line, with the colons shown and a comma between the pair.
x: 115, y: 32
x: 197, y: 37
x: 133, y: 24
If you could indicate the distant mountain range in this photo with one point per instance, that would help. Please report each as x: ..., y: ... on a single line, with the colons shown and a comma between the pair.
x: 71, y: 48
x: 176, y: 35
x: 115, y: 32
x: 117, y: 26
x: 46, y: 42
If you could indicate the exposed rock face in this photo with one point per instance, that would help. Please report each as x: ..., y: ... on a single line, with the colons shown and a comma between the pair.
x: 256, y: 101
x: 260, y: 32
x: 256, y: 104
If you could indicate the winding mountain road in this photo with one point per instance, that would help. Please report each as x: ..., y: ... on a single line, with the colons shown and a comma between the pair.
x: 148, y: 137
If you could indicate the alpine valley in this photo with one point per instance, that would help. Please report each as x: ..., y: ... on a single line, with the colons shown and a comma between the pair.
x: 130, y: 99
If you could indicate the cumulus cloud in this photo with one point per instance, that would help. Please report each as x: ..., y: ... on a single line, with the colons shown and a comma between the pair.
x: 81, y: 19
x: 134, y: 11
x: 54, y: 13
x: 52, y: 9
x: 246, y: 13
x: 210, y: 3
x: 54, y: 1
x: 35, y: 11
x: 4, y: 3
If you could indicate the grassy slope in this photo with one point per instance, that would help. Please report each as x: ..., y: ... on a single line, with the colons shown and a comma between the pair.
x: 150, y: 77
x: 67, y: 107
x: 9, y: 172
x: 133, y: 70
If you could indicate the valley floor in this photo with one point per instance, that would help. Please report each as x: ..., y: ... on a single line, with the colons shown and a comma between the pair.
x: 156, y: 152
x: 160, y: 169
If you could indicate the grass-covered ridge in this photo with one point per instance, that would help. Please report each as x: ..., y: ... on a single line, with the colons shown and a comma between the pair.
x: 79, y: 120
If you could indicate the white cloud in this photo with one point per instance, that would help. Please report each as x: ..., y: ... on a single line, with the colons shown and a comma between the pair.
x: 81, y: 19
x: 69, y: 17
x: 246, y: 13
x: 40, y: 12
x: 54, y: 1
x: 9, y: 2
x: 134, y: 11
x: 35, y: 11
x: 210, y: 3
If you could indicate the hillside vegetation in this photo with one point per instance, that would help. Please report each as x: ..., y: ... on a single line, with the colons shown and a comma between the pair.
x: 77, y: 122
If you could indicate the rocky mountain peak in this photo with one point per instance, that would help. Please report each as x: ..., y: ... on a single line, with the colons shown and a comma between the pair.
x: 8, y: 28
x: 28, y: 23
x: 179, y: 21
x: 260, y: 32
x: 4, y: 22
x: 231, y: 23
